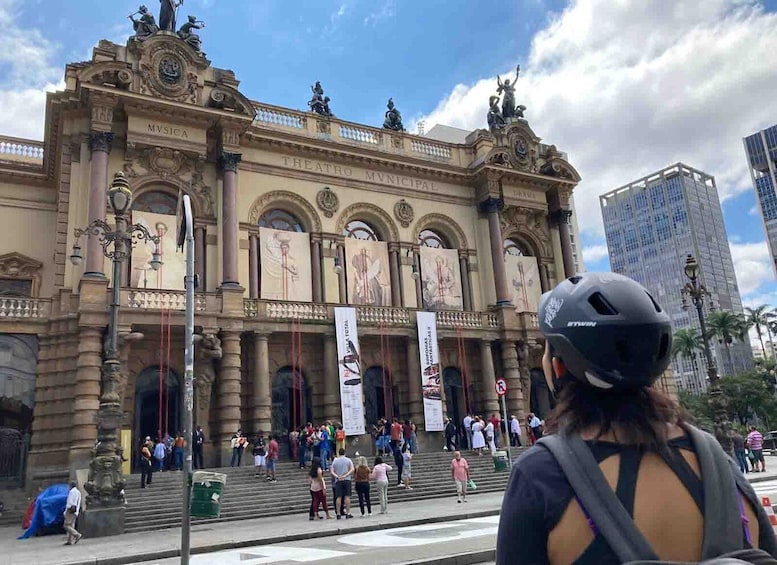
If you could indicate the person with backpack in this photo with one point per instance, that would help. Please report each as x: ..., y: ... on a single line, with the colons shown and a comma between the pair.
x: 620, y: 477
x: 339, y: 439
x: 259, y: 452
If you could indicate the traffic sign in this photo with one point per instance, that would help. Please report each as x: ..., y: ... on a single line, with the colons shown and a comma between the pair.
x: 501, y: 387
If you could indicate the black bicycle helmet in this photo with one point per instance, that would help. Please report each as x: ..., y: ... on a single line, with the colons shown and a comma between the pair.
x: 607, y: 329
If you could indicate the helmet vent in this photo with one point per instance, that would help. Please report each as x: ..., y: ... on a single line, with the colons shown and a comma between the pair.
x: 576, y: 279
x: 663, y: 348
x: 653, y: 300
x: 622, y: 349
x: 600, y: 304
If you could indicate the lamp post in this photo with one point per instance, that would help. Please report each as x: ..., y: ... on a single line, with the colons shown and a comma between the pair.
x: 105, y: 484
x: 697, y: 293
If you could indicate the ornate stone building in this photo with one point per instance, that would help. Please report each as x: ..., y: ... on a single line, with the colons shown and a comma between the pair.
x: 157, y: 110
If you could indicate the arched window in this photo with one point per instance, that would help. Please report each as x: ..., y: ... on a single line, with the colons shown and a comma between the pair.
x: 358, y: 229
x: 280, y: 220
x: 513, y: 248
x: 156, y: 202
x: 430, y: 238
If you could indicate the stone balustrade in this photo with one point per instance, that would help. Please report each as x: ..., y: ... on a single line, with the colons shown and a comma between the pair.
x: 437, y: 151
x: 23, y: 308
x: 296, y: 311
x: 161, y: 300
x: 382, y: 316
x: 457, y: 319
x: 360, y: 135
x: 16, y: 149
x: 274, y: 116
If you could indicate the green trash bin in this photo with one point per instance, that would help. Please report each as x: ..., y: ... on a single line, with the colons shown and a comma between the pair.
x: 500, y: 461
x: 207, y: 488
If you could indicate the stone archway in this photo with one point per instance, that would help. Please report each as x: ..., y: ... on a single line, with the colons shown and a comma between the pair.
x: 286, y: 411
x: 379, y: 400
x: 147, y: 406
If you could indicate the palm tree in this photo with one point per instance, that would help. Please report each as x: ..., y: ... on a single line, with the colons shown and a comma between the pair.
x: 726, y: 327
x: 771, y: 319
x: 687, y: 343
x: 758, y: 317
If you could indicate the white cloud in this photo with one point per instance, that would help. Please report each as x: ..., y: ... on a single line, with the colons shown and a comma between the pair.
x: 25, y: 63
x: 627, y: 88
x: 387, y: 10
x: 754, y: 211
x: 753, y: 266
x: 594, y: 253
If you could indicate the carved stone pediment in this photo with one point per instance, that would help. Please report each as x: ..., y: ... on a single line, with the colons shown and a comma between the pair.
x: 17, y: 266
x: 516, y: 147
x: 529, y: 223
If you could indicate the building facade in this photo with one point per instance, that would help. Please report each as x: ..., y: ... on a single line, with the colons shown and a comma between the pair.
x: 295, y: 213
x: 761, y: 151
x: 651, y: 225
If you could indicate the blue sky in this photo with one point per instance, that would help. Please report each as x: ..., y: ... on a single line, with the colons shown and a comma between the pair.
x: 624, y: 87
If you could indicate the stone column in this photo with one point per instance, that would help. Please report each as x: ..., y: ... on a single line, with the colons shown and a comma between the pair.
x: 561, y: 218
x: 262, y: 392
x: 419, y: 297
x: 228, y: 393
x: 544, y: 276
x: 331, y: 379
x: 315, y: 267
x: 253, y: 266
x: 415, y: 395
x: 340, y: 250
x: 87, y: 395
x: 488, y: 378
x: 491, y: 207
x: 200, y: 246
x: 100, y: 143
x: 396, y: 296
x: 229, y: 245
x: 512, y: 374
x: 466, y: 289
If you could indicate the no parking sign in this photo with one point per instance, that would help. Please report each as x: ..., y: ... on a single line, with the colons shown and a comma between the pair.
x: 501, y: 387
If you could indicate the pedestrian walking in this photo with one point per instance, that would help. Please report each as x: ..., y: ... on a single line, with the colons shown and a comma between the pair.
x: 620, y: 477
x: 317, y: 490
x: 396, y: 435
x: 468, y: 430
x: 478, y: 440
x: 379, y: 474
x: 515, y: 432
x: 362, y: 481
x: 259, y: 451
x: 273, y: 450
x: 178, y: 451
x: 146, y: 467
x: 339, y: 439
x: 413, y: 438
x: 490, y: 435
x: 496, y: 426
x: 536, y: 426
x: 72, y: 510
x: 294, y: 444
x: 198, y: 441
x: 159, y: 455
x: 400, y: 463
x: 460, y: 475
x: 302, y: 439
x: 407, y: 469
x: 755, y: 442
x: 450, y: 435
x: 238, y: 443
x: 738, y: 443
x: 342, y: 473
x: 323, y: 438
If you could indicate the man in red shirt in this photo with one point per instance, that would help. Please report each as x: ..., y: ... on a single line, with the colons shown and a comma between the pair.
x: 272, y: 457
x: 396, y: 435
x: 494, y: 419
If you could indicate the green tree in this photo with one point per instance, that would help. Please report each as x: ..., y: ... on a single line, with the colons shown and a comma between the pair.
x: 726, y: 327
x: 697, y: 407
x: 687, y: 343
x: 758, y: 317
x: 748, y: 395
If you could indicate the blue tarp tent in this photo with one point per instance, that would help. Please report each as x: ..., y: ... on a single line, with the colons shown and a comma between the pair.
x: 49, y: 510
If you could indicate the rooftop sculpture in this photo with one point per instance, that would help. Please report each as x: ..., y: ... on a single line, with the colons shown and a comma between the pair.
x: 393, y: 117
x: 319, y: 103
x: 146, y: 25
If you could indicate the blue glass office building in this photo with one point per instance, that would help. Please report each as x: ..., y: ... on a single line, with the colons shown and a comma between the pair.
x: 651, y: 225
x: 761, y: 150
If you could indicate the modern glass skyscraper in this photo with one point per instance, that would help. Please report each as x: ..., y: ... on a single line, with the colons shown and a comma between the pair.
x: 651, y: 225
x: 761, y: 150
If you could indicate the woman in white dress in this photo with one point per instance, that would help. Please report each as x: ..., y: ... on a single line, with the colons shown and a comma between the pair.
x: 489, y: 433
x: 478, y: 441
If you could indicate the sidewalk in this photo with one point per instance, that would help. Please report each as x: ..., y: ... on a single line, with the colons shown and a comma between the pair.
x: 145, y: 546
x: 769, y: 475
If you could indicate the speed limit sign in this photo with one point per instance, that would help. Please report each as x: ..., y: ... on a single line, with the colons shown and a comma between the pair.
x: 501, y: 387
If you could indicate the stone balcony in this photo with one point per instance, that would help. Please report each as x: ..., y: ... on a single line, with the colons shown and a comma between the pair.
x: 23, y: 152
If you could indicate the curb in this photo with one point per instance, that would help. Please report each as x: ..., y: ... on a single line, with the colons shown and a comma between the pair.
x: 471, y: 558
x: 451, y: 559
x: 762, y: 479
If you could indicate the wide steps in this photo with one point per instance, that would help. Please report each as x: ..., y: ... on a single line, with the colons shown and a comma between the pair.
x: 246, y: 496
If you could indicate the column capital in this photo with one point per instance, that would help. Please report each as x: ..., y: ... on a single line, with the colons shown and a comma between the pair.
x: 491, y: 204
x: 101, y: 141
x: 229, y: 161
x: 393, y: 247
x: 261, y: 336
x: 316, y: 238
x: 560, y: 216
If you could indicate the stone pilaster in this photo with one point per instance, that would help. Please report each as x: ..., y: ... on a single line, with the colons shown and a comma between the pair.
x: 315, y: 267
x: 560, y: 218
x: 331, y: 379
x: 394, y: 269
x: 228, y: 393
x: 200, y: 234
x: 488, y: 378
x: 262, y: 394
x: 512, y: 374
x: 253, y: 266
x: 415, y: 403
x: 466, y: 287
x: 229, y: 164
x: 100, y: 143
x: 491, y: 207
x: 87, y: 395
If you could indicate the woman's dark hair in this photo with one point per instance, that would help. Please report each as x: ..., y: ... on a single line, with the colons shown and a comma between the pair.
x: 378, y: 460
x: 405, y: 446
x: 315, y: 465
x: 638, y: 416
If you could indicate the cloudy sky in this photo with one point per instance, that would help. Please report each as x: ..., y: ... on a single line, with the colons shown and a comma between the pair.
x: 624, y: 87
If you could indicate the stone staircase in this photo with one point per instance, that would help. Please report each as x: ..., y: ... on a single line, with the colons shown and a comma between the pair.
x: 246, y: 497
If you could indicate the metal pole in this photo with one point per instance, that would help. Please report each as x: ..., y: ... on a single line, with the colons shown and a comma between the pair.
x: 118, y: 257
x: 507, y: 427
x: 188, y: 383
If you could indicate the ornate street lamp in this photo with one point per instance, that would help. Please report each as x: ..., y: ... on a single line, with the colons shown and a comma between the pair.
x: 106, y: 484
x: 697, y: 293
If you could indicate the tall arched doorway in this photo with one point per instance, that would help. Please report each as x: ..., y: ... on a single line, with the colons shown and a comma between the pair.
x: 541, y: 400
x: 147, y: 405
x: 288, y: 392
x: 379, y: 395
x: 455, y: 402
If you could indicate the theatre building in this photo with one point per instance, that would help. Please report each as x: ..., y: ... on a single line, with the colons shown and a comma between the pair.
x: 296, y: 213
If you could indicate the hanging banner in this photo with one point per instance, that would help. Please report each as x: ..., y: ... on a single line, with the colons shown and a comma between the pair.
x: 285, y: 261
x: 431, y: 380
x: 367, y: 268
x: 525, y: 280
x: 170, y: 275
x: 441, y: 279
x: 349, y: 371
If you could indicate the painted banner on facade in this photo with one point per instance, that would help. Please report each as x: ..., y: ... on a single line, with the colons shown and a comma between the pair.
x: 350, y: 371
x: 431, y: 377
x: 367, y: 265
x: 441, y: 279
x: 524, y: 276
x: 173, y: 270
x: 285, y: 260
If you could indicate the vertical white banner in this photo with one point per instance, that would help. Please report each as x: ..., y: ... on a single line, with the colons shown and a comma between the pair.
x: 431, y: 379
x: 349, y: 371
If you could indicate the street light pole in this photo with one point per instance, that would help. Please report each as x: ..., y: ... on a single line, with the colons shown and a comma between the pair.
x: 697, y: 292
x: 105, y: 485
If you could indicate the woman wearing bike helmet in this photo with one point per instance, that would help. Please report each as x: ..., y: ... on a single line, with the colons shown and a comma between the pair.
x: 607, y: 341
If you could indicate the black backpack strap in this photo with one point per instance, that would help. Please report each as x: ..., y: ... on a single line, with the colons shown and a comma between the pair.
x: 723, y: 531
x: 597, y: 498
